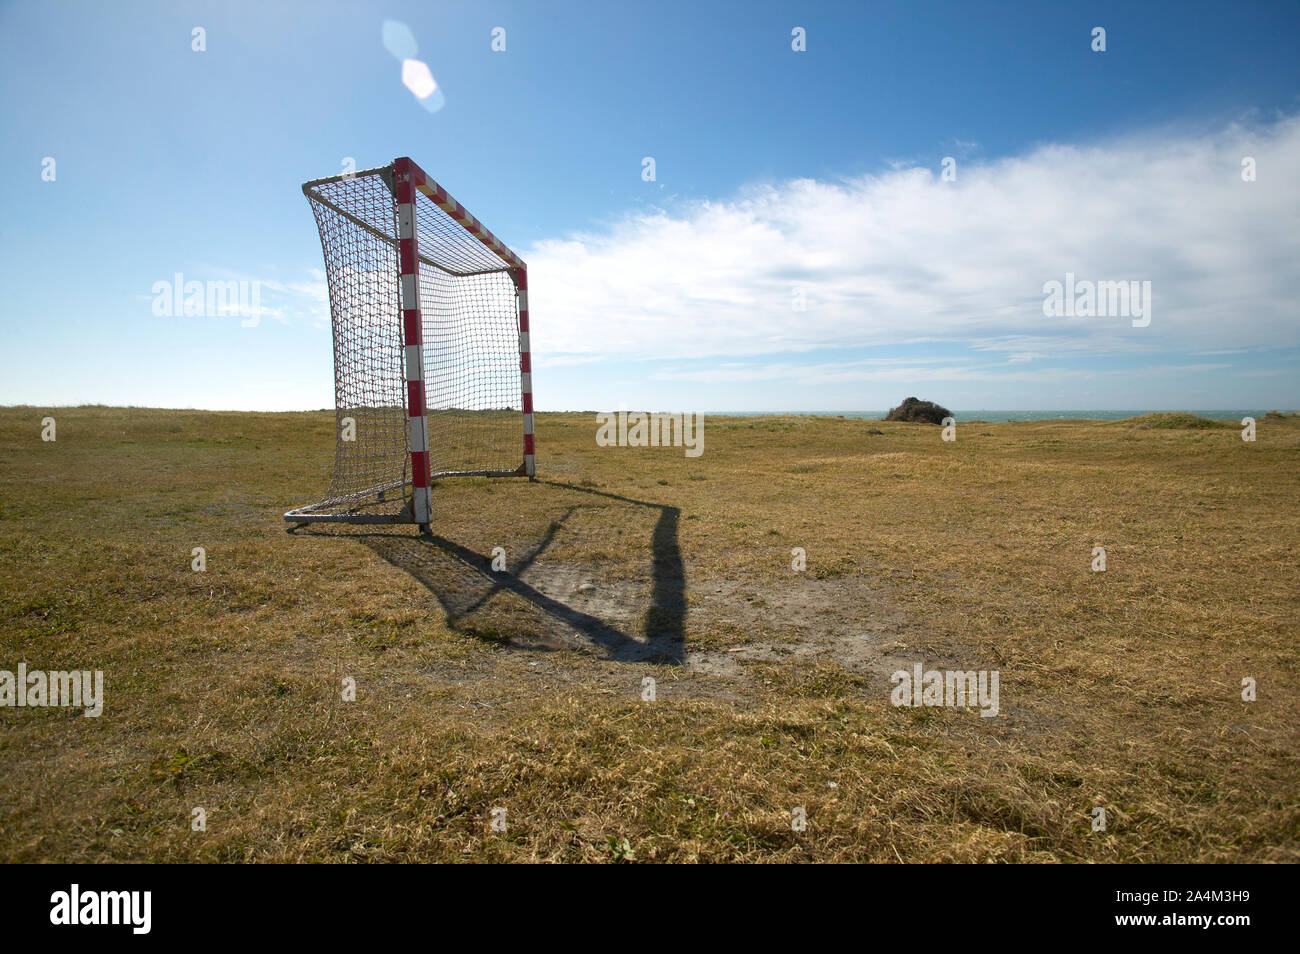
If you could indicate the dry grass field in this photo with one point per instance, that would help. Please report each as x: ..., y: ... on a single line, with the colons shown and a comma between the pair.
x: 523, y: 691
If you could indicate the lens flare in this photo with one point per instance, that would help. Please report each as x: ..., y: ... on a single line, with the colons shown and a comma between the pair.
x: 418, y: 79
x: 399, y: 40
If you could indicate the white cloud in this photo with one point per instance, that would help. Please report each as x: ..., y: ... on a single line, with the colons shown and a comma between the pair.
x: 903, y: 257
x: 907, y: 371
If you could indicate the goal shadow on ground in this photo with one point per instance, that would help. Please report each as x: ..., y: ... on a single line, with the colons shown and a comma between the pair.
x: 464, y: 583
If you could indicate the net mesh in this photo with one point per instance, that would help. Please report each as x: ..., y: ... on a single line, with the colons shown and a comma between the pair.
x: 470, y: 348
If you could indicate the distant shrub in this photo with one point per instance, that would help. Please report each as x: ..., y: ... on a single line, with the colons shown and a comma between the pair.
x: 1175, y: 420
x: 919, y: 412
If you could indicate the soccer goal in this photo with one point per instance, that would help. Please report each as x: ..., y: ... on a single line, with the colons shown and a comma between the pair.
x: 432, y: 373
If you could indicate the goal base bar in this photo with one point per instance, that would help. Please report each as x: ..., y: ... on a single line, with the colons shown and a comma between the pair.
x: 308, y: 514
x: 299, y: 519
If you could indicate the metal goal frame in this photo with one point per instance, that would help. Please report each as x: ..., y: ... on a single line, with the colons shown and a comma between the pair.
x: 420, y: 209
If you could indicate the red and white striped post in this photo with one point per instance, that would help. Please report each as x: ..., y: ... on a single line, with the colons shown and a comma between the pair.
x: 417, y: 424
x: 526, y: 372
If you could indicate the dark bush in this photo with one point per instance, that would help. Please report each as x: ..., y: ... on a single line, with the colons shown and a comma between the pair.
x: 922, y: 412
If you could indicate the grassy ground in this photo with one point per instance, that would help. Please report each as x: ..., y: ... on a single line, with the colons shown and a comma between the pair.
x: 523, y: 691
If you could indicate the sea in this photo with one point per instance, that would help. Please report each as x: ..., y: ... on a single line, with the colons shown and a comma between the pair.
x: 999, y: 416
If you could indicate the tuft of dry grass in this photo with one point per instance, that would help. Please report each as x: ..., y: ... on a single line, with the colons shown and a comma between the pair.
x: 1175, y: 420
x: 524, y: 691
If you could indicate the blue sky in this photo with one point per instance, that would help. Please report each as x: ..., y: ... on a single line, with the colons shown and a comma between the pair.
x: 781, y: 177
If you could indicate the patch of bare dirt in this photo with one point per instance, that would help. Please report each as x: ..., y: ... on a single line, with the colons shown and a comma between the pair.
x: 850, y: 622
x: 846, y: 621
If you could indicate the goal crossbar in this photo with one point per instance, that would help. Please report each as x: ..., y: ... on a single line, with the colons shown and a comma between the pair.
x: 317, y: 197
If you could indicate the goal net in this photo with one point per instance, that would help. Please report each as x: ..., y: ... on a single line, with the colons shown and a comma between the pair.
x: 432, y: 374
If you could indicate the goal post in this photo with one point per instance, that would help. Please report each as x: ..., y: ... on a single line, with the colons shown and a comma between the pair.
x: 432, y: 363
